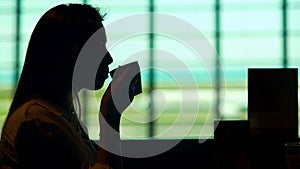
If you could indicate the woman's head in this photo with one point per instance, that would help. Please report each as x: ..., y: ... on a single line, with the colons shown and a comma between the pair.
x: 54, y: 47
x: 58, y: 37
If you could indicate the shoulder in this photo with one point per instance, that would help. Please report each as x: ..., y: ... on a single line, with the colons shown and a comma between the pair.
x: 40, y: 143
x: 33, y: 116
x: 45, y: 137
x: 33, y: 130
x: 33, y: 109
x: 39, y: 117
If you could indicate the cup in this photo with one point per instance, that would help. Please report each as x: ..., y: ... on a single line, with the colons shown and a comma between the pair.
x: 135, y: 86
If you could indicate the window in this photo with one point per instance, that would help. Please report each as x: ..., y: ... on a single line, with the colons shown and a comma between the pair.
x: 250, y: 36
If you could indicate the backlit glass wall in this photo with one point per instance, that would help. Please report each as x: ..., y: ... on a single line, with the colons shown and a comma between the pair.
x: 250, y: 34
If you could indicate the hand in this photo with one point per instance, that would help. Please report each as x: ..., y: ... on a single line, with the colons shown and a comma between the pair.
x: 117, y: 97
x: 115, y: 100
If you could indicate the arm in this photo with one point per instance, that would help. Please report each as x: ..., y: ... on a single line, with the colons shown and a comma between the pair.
x: 109, y: 119
x: 115, y: 100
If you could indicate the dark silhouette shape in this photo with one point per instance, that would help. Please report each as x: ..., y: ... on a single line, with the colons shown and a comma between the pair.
x: 41, y: 128
x: 272, y: 114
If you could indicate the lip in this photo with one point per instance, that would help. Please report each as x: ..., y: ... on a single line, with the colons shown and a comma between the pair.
x: 111, y: 73
x: 107, y: 73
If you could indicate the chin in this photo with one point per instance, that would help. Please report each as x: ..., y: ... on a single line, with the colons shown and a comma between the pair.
x: 99, y: 85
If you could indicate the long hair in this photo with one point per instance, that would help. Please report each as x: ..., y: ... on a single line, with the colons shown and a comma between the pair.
x: 53, y: 49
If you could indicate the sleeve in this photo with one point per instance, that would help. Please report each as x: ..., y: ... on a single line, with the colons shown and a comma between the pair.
x: 46, y: 145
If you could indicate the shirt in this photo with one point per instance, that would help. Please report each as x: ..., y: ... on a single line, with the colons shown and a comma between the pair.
x: 39, y: 135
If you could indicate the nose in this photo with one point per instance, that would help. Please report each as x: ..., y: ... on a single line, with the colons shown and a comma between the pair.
x: 109, y: 59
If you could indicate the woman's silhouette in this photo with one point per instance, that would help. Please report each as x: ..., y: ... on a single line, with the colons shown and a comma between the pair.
x: 42, y: 129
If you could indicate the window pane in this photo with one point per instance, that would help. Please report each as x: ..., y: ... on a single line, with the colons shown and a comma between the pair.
x: 6, y: 64
x: 7, y: 37
x: 196, y: 13
x: 251, y: 21
x: 293, y: 20
x: 250, y: 38
x: 294, y: 51
x: 251, y: 52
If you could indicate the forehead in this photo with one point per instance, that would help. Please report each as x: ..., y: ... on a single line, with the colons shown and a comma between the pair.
x: 101, y: 34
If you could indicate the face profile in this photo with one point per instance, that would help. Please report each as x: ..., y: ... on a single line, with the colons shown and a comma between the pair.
x: 103, y: 71
x: 91, y: 67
